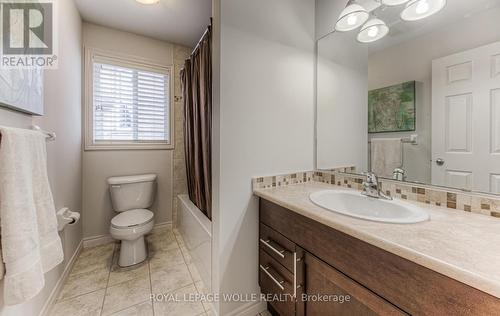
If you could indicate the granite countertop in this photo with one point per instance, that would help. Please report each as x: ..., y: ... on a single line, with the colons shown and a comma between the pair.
x: 463, y: 246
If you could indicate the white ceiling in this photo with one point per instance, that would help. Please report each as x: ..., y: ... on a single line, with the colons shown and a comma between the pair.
x: 401, y: 31
x: 177, y: 21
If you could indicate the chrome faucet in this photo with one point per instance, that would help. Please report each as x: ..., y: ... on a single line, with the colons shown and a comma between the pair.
x: 399, y: 174
x: 371, y: 187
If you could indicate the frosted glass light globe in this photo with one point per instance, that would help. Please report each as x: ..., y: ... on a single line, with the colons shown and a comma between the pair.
x: 420, y: 9
x: 372, y: 31
x: 352, y: 17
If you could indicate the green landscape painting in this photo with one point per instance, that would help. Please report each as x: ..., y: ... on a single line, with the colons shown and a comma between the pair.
x: 392, y: 109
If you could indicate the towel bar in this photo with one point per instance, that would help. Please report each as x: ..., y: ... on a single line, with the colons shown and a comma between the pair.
x: 51, y: 136
x: 412, y: 139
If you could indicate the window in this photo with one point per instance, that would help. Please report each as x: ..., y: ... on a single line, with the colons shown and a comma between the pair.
x: 128, y: 104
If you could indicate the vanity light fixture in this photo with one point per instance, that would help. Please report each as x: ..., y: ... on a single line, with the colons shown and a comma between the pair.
x: 392, y: 3
x: 372, y: 31
x: 420, y: 9
x: 148, y: 1
x: 352, y: 17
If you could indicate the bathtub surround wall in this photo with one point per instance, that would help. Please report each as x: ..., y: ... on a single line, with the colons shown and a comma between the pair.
x: 263, y: 124
x: 62, y: 99
x: 99, y: 165
x: 181, y: 53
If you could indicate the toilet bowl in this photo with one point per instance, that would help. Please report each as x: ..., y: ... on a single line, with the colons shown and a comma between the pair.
x: 131, y: 196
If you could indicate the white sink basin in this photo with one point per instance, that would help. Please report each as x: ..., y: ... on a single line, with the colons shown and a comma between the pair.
x: 356, y: 205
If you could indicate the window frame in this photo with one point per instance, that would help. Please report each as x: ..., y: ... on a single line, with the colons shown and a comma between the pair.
x: 127, y: 61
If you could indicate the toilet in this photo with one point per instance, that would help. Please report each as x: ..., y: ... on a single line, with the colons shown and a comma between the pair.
x: 131, y: 197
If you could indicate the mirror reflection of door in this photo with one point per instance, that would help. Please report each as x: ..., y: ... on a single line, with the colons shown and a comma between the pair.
x: 466, y: 119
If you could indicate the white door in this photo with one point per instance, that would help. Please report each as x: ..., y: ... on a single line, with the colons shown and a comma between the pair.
x: 466, y: 119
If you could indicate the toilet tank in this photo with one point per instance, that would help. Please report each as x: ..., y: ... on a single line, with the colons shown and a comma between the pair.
x: 132, y: 192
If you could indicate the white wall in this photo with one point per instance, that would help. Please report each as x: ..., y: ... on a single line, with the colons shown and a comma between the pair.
x: 342, y: 102
x: 99, y: 165
x: 263, y: 123
x: 412, y: 60
x: 327, y: 12
x: 62, y: 101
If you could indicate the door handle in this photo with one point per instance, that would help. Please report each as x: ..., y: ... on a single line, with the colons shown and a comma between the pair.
x: 440, y: 161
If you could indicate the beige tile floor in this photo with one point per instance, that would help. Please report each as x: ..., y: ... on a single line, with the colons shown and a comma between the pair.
x: 97, y: 286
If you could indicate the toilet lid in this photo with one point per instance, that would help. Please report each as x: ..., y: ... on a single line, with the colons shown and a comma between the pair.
x: 132, y: 218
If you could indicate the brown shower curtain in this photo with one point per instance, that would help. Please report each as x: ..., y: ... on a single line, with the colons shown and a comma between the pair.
x: 196, y: 78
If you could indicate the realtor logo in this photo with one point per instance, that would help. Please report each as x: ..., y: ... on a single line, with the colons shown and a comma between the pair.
x: 28, y: 34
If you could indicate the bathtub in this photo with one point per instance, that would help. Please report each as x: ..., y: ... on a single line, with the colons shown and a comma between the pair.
x: 196, y: 230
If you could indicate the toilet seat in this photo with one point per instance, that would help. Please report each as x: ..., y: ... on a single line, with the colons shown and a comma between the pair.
x: 132, y: 218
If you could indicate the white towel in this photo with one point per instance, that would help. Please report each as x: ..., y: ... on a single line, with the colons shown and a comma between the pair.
x: 30, y: 243
x: 386, y: 155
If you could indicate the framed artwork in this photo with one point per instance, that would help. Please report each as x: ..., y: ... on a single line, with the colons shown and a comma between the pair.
x: 392, y: 109
x: 22, y: 90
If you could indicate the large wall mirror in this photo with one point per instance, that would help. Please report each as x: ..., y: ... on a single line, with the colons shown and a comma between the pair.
x: 413, y: 100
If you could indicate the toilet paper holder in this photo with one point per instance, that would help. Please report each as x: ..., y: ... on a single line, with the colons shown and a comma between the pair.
x: 66, y: 217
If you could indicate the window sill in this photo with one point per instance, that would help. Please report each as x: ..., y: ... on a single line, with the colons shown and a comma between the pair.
x: 136, y: 146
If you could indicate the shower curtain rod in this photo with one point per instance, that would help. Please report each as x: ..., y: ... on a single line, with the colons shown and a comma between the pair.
x: 201, y: 39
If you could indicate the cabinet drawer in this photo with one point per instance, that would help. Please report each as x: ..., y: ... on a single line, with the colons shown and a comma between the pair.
x: 343, y: 295
x: 277, y: 246
x: 275, y: 280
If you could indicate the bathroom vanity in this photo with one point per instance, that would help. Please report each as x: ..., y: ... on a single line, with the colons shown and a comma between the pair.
x: 317, y: 262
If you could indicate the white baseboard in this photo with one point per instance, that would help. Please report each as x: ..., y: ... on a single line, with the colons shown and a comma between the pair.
x: 106, y: 239
x: 59, y: 285
x: 97, y: 241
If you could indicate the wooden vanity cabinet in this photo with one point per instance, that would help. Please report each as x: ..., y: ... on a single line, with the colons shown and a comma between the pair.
x: 332, y: 293
x: 300, y: 284
x: 306, y: 259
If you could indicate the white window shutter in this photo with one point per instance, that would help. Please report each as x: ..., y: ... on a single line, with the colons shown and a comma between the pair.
x: 130, y: 105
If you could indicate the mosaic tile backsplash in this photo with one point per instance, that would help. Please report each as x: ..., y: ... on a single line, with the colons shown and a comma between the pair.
x: 468, y: 202
x: 282, y: 180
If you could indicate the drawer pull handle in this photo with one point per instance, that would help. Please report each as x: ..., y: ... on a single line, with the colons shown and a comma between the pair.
x: 278, y: 283
x: 280, y: 253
